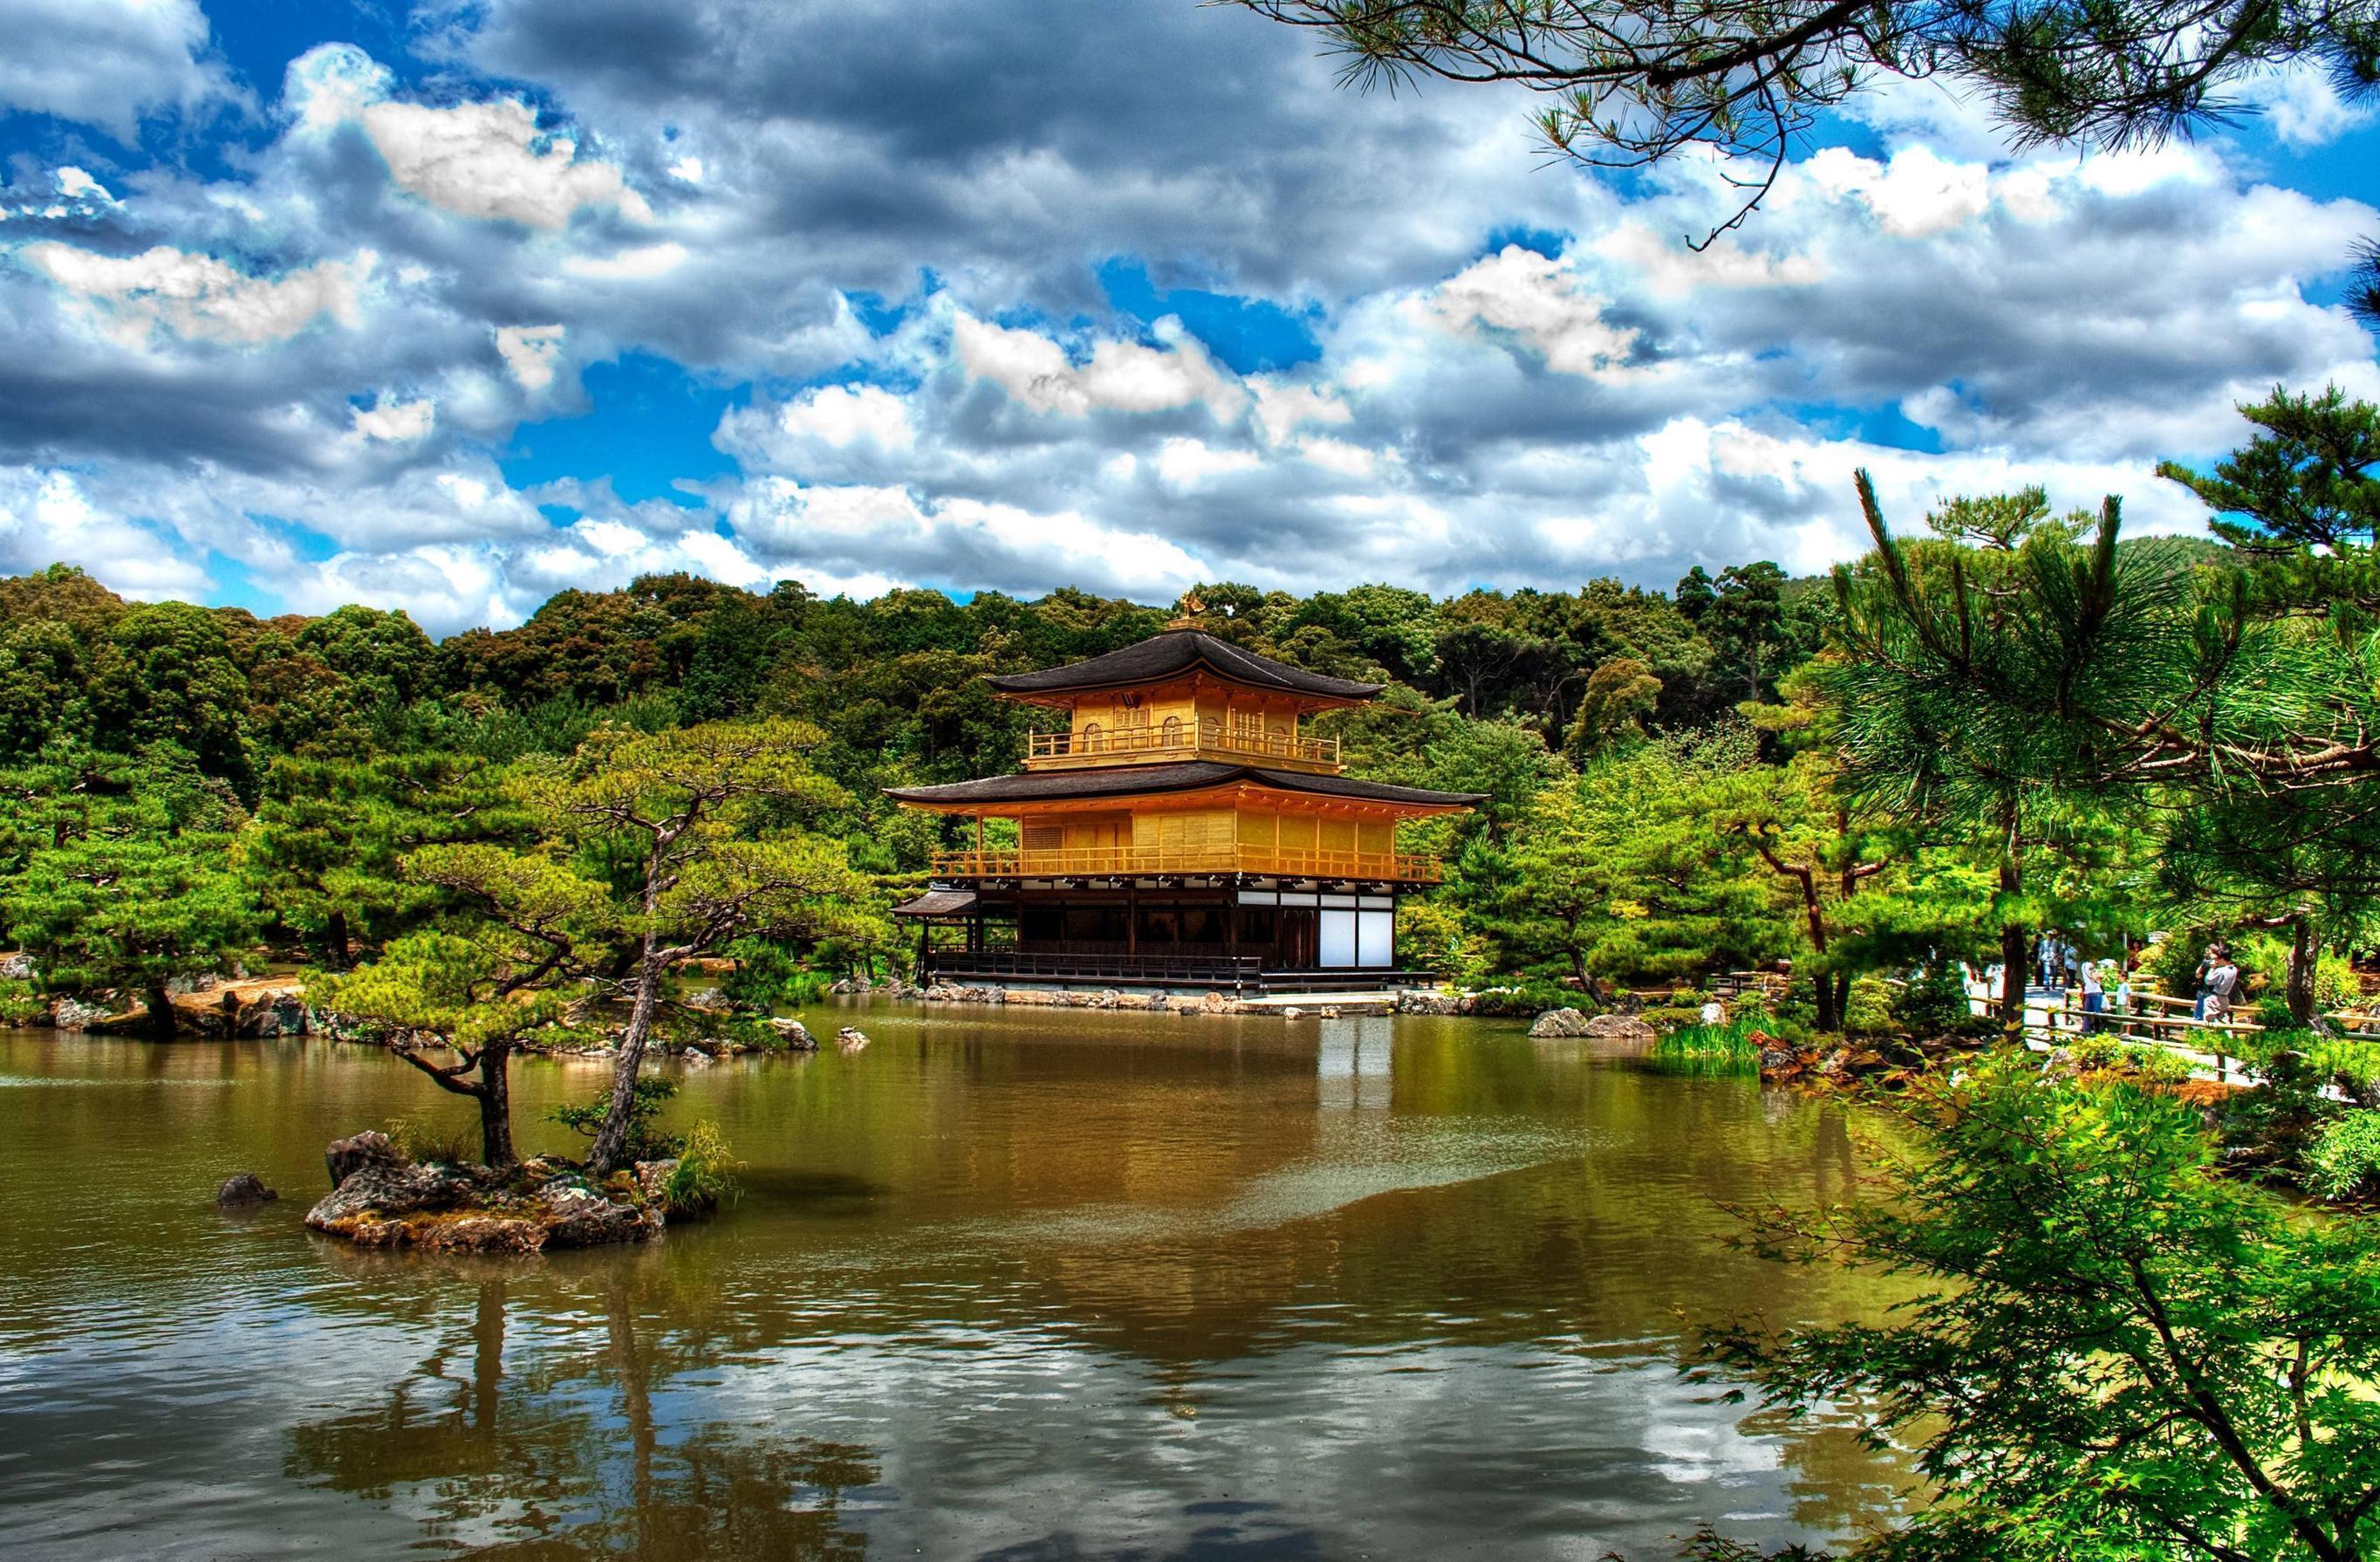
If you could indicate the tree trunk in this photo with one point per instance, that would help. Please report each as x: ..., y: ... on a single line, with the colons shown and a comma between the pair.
x: 2013, y: 941
x: 612, y: 1139
x: 1843, y: 994
x: 496, y: 1107
x: 336, y: 936
x: 1830, y: 1019
x: 2304, y: 953
x: 161, y: 1012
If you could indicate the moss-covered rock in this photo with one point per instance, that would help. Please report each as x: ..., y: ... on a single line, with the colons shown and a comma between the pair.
x: 383, y: 1200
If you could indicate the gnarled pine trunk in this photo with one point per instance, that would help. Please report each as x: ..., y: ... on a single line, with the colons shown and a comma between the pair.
x: 612, y: 1139
x: 495, y: 1094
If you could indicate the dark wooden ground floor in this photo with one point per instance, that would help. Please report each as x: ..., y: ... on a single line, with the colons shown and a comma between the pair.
x: 1233, y: 936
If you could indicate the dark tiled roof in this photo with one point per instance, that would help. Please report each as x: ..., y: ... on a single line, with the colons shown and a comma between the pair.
x: 1179, y: 650
x: 937, y: 903
x: 1190, y: 775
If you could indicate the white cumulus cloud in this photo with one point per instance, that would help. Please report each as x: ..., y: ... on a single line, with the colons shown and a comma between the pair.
x: 531, y: 352
x: 397, y: 422
x: 109, y: 63
x: 200, y: 297
x: 846, y: 415
x: 1542, y: 303
x: 1121, y: 377
x: 485, y: 159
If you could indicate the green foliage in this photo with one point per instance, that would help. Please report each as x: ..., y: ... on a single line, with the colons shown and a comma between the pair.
x: 125, y: 872
x: 2175, y: 1362
x: 2344, y: 1159
x: 2310, y: 479
x: 2134, y: 1060
x: 1709, y: 1049
x: 22, y: 1003
x: 1870, y: 1011
x: 2270, y: 1128
x: 171, y: 679
x: 1615, y: 876
x: 2352, y: 1064
x: 421, y: 1140
x: 1933, y: 1002
x: 704, y: 1176
x: 1526, y: 1001
x: 646, y: 1140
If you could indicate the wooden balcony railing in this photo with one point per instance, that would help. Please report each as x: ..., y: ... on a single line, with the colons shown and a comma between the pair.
x: 1126, y: 861
x: 1175, y: 741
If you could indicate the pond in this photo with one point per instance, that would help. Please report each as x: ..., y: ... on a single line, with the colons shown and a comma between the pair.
x: 1046, y: 1283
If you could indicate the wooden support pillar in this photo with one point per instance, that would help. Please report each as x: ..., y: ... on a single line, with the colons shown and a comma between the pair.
x: 1131, y: 917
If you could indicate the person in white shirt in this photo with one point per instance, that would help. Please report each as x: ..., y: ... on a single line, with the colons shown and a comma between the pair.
x: 2095, y: 997
x: 2222, y: 981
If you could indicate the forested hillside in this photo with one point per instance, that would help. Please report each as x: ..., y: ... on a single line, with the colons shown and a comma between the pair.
x: 2008, y: 720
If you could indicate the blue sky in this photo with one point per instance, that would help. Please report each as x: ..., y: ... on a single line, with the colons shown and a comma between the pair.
x: 452, y: 306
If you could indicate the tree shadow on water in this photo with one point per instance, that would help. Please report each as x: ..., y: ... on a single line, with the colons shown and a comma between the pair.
x: 565, y: 1458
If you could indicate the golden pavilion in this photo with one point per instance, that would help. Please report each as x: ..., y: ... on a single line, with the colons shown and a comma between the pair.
x: 1180, y: 828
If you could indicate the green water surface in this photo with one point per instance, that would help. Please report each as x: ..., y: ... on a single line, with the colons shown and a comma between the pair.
x: 1006, y: 1284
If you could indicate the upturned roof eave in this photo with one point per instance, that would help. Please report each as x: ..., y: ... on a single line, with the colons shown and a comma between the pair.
x: 1176, y: 653
x: 1027, y: 788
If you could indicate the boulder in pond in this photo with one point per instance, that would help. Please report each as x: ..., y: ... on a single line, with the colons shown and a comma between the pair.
x: 378, y: 1192
x: 241, y: 1190
x: 575, y: 1215
x: 1559, y: 1022
x: 439, y: 1208
x: 851, y: 1038
x: 73, y: 1014
x: 344, y: 1157
x: 1621, y: 1027
x: 476, y: 1234
x: 793, y: 1035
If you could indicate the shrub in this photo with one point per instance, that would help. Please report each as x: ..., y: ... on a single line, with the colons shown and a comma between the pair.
x: 1709, y: 1049
x: 703, y: 1176
x: 2353, y: 1067
x: 1528, y: 1000
x: 2150, y: 1064
x: 645, y: 1141
x: 767, y: 974
x: 2345, y: 1157
x: 20, y: 1004
x: 2276, y: 1124
x: 421, y: 1140
x: 1868, y: 1011
x: 1670, y: 1017
x: 2050, y: 1237
x: 1932, y: 1003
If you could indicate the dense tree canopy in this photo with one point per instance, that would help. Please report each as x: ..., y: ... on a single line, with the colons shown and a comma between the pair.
x: 2007, y: 719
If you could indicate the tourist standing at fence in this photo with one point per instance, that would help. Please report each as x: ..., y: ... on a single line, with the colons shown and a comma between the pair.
x: 2222, y: 981
x: 2095, y: 997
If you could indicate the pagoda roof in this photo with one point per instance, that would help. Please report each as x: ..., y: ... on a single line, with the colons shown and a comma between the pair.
x: 937, y: 903
x: 1144, y: 780
x: 1174, y: 653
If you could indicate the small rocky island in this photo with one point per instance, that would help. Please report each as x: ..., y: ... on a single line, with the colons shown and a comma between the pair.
x: 379, y: 1198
